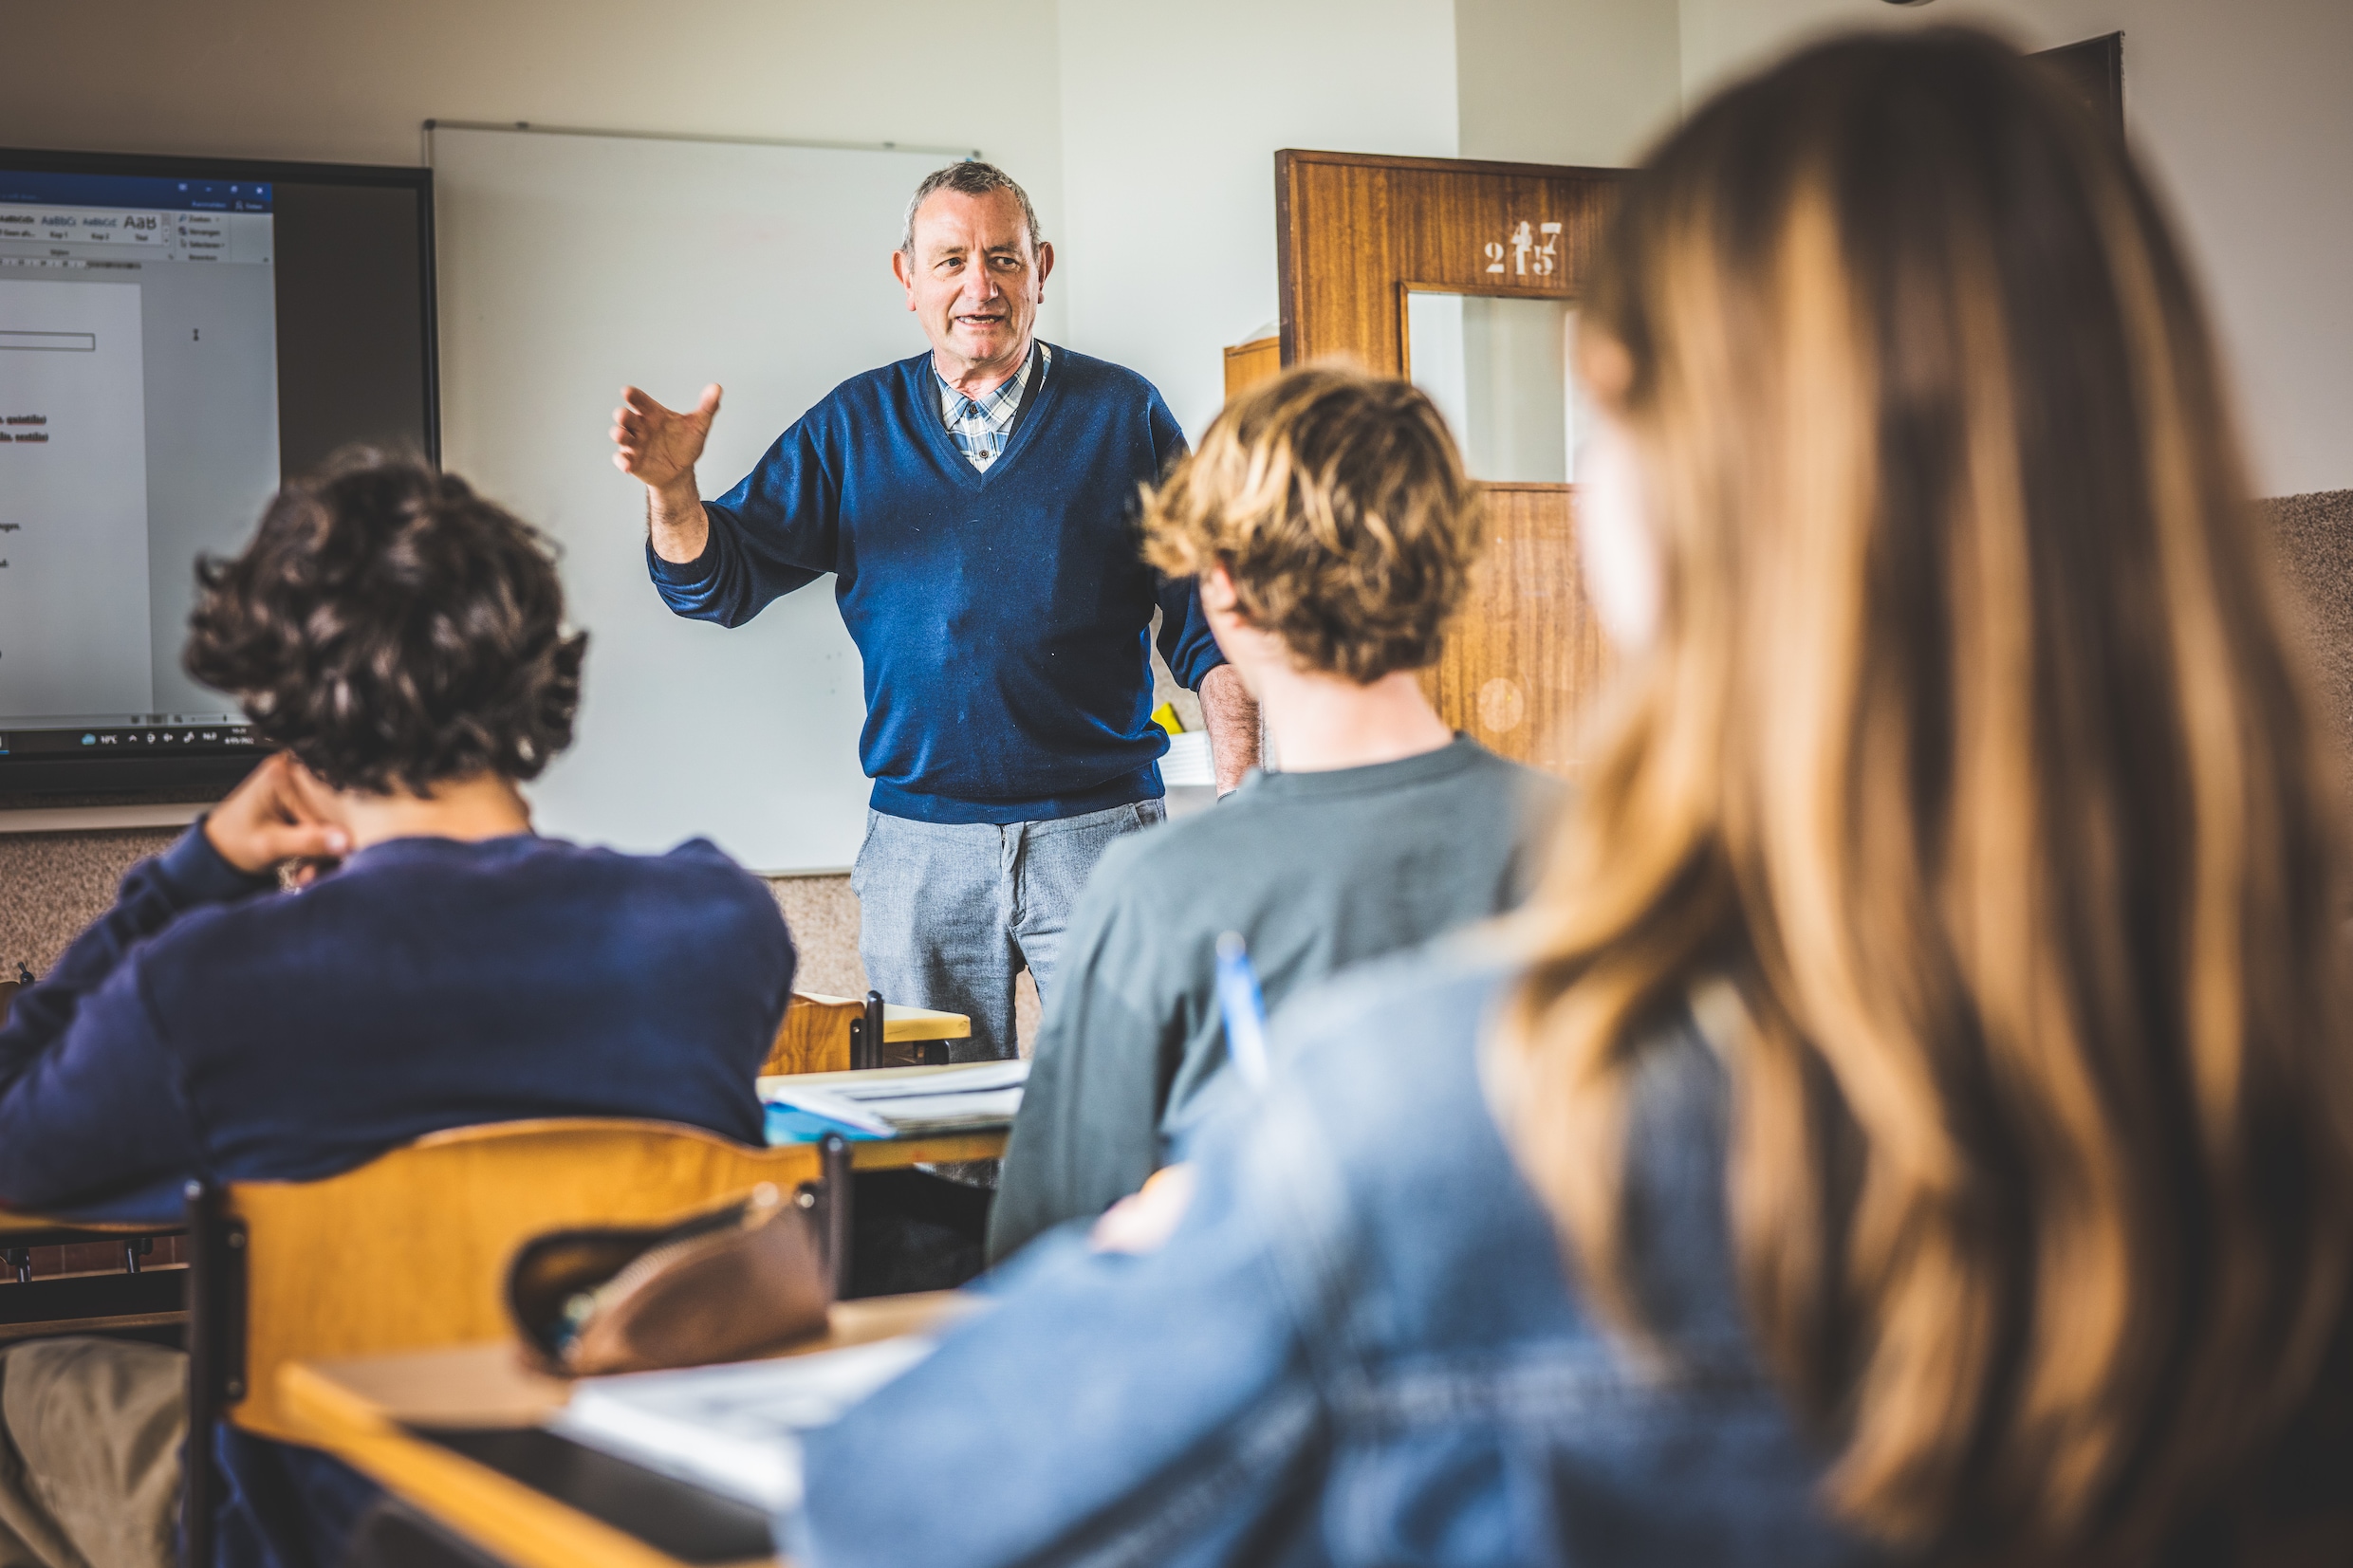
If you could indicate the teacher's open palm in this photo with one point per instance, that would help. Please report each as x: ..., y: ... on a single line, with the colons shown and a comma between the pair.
x: 660, y: 445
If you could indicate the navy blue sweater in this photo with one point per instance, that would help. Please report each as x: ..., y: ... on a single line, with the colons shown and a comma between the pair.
x: 210, y: 1024
x: 1003, y: 617
x: 206, y: 1025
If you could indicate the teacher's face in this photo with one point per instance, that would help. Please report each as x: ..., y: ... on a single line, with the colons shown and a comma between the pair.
x: 975, y: 281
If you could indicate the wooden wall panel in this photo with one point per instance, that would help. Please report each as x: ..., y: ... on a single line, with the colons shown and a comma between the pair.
x: 1247, y: 365
x: 1524, y: 656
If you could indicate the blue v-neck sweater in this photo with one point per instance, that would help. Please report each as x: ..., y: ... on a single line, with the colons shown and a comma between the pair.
x: 1004, y: 617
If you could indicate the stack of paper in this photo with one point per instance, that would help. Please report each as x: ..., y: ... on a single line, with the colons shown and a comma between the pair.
x: 895, y: 1103
x: 1188, y: 761
x: 732, y: 1430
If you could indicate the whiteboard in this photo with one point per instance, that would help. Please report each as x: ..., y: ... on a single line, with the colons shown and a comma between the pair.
x: 572, y: 263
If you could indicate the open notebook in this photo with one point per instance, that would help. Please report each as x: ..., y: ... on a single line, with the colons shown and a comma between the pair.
x: 894, y: 1103
x: 732, y: 1430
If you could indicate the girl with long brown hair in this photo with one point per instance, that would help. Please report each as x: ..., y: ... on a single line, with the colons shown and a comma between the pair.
x: 1915, y: 1116
x: 1972, y: 764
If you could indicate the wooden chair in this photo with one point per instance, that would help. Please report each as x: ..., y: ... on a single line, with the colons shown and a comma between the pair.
x: 840, y: 1034
x: 410, y: 1251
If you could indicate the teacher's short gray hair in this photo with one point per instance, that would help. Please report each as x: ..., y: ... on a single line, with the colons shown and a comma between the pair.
x: 971, y: 177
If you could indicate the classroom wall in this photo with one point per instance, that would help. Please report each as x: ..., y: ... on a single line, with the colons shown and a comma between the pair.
x: 2243, y: 112
x: 1168, y: 133
x: 1583, y: 81
x: 351, y: 80
x: 1167, y: 250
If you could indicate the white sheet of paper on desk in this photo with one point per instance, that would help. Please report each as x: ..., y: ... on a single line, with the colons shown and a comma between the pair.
x: 973, y: 1094
x: 732, y: 1430
x: 984, y: 1109
x: 964, y: 1078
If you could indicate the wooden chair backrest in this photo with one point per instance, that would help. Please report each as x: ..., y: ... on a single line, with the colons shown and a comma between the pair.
x: 411, y: 1249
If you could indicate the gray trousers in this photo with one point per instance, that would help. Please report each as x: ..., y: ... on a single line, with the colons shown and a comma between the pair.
x: 91, y: 1434
x: 949, y: 914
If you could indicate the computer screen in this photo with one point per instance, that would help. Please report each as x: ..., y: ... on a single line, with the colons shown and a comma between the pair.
x: 176, y: 337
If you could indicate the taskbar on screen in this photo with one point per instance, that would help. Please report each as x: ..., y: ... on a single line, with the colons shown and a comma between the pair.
x: 129, y: 738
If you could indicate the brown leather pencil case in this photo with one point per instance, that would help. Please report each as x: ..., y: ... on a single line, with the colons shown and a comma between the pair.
x: 739, y: 1279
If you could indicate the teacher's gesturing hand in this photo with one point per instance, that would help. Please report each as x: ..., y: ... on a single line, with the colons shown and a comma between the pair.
x: 659, y: 447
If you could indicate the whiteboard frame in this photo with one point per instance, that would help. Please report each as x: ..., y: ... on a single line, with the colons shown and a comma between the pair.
x: 431, y: 125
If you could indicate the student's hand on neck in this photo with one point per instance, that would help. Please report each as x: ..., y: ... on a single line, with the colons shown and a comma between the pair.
x: 269, y: 819
x: 1318, y: 721
x: 485, y: 805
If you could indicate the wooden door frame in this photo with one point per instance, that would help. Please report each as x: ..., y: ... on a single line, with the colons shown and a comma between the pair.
x: 1403, y: 248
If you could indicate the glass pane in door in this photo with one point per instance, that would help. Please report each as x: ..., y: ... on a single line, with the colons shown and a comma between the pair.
x: 1498, y: 370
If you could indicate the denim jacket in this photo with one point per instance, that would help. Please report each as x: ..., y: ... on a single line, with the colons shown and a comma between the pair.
x: 1361, y: 1346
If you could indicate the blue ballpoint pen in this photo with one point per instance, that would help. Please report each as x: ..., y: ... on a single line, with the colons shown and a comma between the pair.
x: 1243, y: 1008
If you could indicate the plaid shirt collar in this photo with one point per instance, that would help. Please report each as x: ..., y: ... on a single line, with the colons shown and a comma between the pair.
x: 979, y: 425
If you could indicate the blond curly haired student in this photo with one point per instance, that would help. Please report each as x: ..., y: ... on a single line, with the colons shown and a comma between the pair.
x: 1331, y: 526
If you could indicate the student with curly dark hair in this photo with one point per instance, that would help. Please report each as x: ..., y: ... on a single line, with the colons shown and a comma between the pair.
x: 402, y: 642
x: 393, y: 632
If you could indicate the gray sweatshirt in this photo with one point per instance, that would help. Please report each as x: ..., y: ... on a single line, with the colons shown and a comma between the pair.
x: 1318, y: 872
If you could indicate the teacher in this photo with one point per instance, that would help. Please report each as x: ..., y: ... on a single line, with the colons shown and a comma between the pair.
x: 976, y: 505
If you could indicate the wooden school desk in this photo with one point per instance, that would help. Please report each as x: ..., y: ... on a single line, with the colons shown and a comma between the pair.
x: 140, y: 1292
x: 453, y: 1432
x: 846, y: 1158
x: 983, y: 1143
x: 374, y: 1414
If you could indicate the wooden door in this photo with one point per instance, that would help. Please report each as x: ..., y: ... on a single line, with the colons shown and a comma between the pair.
x: 1524, y: 656
x: 1356, y: 234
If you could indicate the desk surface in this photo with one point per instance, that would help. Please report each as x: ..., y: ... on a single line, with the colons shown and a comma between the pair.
x: 360, y: 1410
x: 899, y: 1153
x: 40, y: 1230
x: 900, y: 1025
x: 866, y: 1155
x: 945, y: 1149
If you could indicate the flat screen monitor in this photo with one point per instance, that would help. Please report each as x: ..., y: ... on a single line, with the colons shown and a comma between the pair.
x: 176, y: 336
